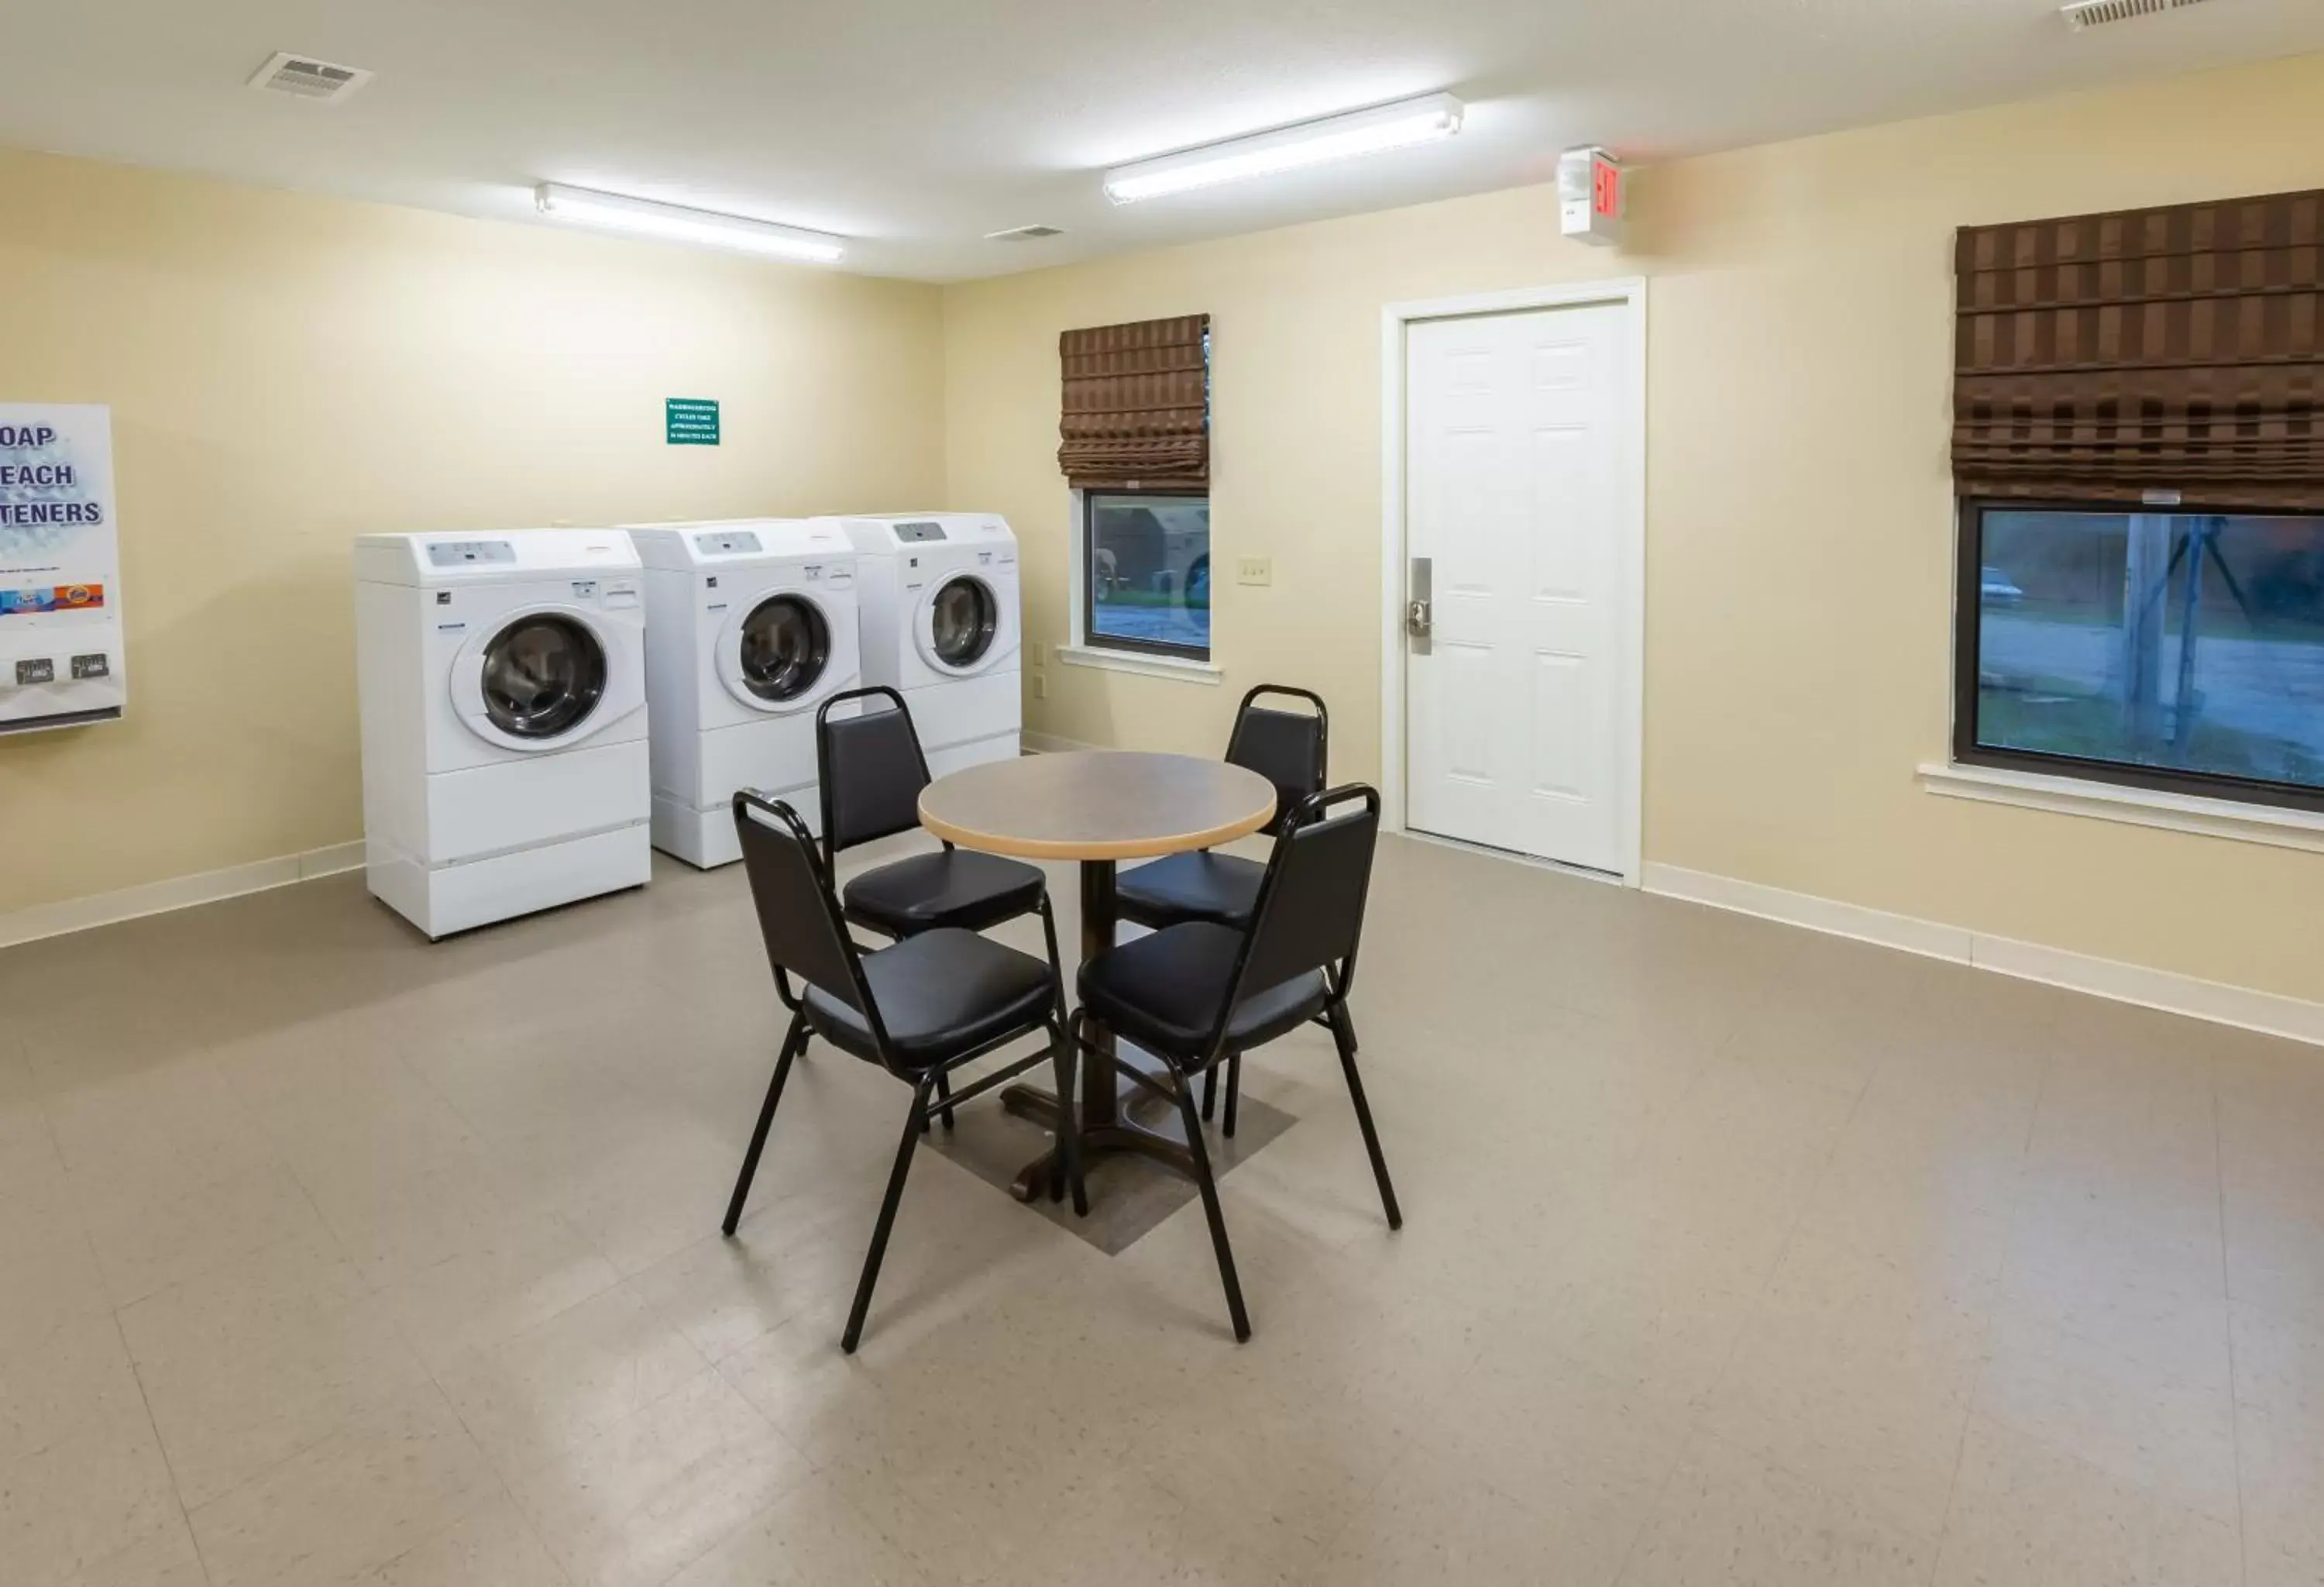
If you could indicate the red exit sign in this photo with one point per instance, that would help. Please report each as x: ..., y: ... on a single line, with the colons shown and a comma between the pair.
x: 1590, y: 196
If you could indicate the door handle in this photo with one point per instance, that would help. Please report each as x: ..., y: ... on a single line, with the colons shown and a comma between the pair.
x: 1420, y: 603
x: 1417, y: 619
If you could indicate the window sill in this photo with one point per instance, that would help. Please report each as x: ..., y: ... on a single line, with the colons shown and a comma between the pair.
x: 2140, y: 806
x: 1182, y: 668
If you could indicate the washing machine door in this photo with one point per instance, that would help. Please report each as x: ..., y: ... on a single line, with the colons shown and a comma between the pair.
x: 541, y: 678
x: 966, y: 623
x: 779, y: 653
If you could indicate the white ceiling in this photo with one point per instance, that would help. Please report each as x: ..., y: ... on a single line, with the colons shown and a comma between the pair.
x: 919, y: 125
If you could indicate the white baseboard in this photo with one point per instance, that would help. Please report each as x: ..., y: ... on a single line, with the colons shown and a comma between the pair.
x: 1913, y: 935
x: 1049, y: 743
x: 2244, y: 1006
x: 178, y: 892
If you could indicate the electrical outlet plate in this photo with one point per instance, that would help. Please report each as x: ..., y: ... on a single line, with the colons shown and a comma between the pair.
x: 1254, y: 570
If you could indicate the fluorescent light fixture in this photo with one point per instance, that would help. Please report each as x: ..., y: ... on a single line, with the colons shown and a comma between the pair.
x: 1335, y: 137
x: 680, y: 224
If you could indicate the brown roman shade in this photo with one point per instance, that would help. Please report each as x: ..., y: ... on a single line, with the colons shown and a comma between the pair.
x: 1136, y: 405
x: 2105, y: 356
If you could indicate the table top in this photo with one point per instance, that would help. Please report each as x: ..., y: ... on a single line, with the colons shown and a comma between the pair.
x: 1097, y: 805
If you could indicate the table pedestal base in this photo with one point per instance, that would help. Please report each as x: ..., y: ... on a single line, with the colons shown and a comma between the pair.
x: 1106, y: 1095
x: 1119, y: 1135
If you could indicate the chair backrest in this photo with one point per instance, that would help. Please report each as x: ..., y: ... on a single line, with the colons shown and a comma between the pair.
x: 1290, y: 749
x: 871, y: 768
x: 1310, y: 913
x: 799, y: 917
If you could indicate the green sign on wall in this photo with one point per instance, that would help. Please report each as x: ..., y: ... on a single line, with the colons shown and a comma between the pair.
x: 691, y: 422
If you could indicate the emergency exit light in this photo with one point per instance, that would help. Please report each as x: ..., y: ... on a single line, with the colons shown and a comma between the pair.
x: 1591, y: 195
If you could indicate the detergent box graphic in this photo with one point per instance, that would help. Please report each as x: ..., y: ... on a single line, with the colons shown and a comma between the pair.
x: 64, y: 597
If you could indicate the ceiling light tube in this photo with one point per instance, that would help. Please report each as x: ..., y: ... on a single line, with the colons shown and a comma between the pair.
x: 679, y: 223
x: 1335, y: 137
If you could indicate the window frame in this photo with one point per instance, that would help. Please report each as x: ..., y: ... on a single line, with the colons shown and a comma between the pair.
x: 1085, y: 504
x: 1968, y: 617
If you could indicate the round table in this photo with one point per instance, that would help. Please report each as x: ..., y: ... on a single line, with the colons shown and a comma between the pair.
x: 1096, y: 807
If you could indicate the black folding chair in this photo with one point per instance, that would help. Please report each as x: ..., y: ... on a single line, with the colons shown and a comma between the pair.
x: 870, y: 771
x: 1198, y: 995
x: 1290, y: 749
x: 920, y: 1009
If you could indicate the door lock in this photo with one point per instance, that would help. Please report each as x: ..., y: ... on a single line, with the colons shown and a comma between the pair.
x: 1420, y: 604
x: 1417, y: 619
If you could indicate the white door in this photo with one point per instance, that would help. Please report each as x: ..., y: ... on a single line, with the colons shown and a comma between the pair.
x: 1515, y: 444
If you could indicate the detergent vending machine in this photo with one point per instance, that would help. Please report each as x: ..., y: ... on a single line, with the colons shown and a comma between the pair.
x: 61, y: 660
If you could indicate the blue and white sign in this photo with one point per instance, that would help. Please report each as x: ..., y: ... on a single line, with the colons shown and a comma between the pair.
x: 61, y: 660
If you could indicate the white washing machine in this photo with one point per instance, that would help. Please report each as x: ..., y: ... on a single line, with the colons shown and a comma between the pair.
x: 937, y: 599
x: 749, y: 626
x: 504, y: 693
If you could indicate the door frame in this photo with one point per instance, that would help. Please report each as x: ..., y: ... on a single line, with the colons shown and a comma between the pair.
x: 1630, y: 474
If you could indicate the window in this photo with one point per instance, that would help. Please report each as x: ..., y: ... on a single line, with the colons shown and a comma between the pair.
x: 2175, y: 650
x: 2140, y: 463
x: 1134, y: 443
x: 1146, y: 573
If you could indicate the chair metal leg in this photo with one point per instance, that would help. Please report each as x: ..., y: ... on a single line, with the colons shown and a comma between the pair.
x: 944, y: 1095
x: 1064, y: 1043
x: 1069, y: 1130
x: 1234, y: 1091
x: 1056, y: 965
x: 1209, y: 1189
x: 1343, y: 1037
x: 914, y: 1127
x: 1211, y: 1093
x: 794, y: 1039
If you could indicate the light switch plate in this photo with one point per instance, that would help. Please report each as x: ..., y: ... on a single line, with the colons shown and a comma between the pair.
x: 1254, y: 570
x: 1040, y: 686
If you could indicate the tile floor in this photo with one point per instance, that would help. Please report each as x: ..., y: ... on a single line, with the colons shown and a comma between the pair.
x: 1734, y: 1254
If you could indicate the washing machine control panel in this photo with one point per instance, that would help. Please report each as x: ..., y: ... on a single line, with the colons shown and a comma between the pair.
x: 733, y: 543
x: 470, y: 553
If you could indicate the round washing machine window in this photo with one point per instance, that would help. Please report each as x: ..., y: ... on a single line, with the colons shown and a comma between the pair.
x: 543, y: 675
x: 785, y: 644
x: 961, y: 621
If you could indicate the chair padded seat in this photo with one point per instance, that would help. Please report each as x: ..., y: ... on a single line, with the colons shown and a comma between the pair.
x: 951, y: 886
x: 1221, y: 888
x: 1162, y: 992
x: 941, y: 993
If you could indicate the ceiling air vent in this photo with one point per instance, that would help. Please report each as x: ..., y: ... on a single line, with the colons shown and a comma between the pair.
x: 305, y: 77
x: 2090, y: 13
x: 1025, y: 233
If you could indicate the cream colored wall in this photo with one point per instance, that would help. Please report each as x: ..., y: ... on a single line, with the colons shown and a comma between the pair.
x: 1800, y: 528
x: 288, y: 372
